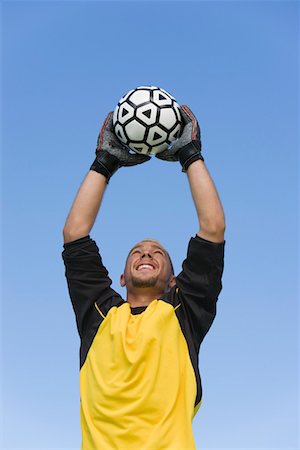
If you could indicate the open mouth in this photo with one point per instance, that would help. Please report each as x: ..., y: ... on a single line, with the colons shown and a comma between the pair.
x: 141, y: 267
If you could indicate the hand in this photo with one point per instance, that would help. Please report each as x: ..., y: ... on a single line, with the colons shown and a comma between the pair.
x: 187, y: 148
x: 111, y: 153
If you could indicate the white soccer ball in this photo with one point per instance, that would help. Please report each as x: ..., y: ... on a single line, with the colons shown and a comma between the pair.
x: 147, y: 119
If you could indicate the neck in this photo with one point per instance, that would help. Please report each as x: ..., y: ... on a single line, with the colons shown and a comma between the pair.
x: 142, y: 297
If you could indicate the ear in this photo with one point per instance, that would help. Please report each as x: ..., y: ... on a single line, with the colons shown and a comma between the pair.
x: 172, y: 281
x: 122, y: 280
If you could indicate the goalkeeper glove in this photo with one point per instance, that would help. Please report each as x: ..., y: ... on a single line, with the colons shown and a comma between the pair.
x: 187, y: 148
x: 111, y: 153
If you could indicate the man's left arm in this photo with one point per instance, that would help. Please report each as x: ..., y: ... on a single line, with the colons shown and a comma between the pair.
x: 199, y: 283
x: 207, y: 202
x: 187, y: 150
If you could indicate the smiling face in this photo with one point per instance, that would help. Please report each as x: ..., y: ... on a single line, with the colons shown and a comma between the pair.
x: 148, y: 265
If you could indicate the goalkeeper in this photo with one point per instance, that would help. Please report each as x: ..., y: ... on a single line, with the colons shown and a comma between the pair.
x: 140, y: 385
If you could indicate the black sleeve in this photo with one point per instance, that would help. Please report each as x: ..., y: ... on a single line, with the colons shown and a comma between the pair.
x: 199, y: 284
x: 87, y: 279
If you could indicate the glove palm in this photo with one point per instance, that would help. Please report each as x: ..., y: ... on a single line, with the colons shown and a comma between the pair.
x: 111, y: 153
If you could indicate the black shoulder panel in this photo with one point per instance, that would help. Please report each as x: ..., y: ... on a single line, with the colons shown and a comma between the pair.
x: 195, y: 295
x: 94, y: 319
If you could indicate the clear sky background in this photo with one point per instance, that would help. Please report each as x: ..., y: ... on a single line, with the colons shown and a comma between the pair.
x: 64, y: 66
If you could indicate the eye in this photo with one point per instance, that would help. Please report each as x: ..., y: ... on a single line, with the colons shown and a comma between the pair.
x: 160, y: 252
x: 135, y: 251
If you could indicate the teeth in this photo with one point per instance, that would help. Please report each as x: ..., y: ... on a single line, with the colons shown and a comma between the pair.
x: 145, y: 266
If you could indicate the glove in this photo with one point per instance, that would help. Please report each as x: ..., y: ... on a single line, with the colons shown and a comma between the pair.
x: 187, y: 148
x: 111, y: 153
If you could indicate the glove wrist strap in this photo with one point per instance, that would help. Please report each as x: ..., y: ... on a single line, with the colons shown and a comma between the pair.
x: 189, y: 154
x: 106, y: 164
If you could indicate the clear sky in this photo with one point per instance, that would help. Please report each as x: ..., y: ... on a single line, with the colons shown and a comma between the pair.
x: 65, y: 64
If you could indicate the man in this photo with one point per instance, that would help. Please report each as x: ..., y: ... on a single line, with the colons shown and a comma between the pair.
x: 140, y: 385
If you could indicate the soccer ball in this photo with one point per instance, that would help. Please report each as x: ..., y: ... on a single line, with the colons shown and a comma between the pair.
x: 147, y: 119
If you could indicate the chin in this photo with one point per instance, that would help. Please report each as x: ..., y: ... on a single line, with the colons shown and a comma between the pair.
x: 144, y: 283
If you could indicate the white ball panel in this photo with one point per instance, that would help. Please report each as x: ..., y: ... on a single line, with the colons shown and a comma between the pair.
x: 135, y: 131
x: 159, y: 148
x: 147, y: 113
x: 156, y: 136
x: 167, y: 117
x: 140, y: 96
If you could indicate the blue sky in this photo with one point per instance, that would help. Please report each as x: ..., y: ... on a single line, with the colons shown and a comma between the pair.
x: 64, y: 66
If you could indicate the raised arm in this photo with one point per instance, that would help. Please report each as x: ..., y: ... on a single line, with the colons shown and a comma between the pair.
x: 199, y: 283
x: 187, y: 150
x: 208, y: 205
x: 87, y: 277
x: 111, y: 154
x: 85, y: 207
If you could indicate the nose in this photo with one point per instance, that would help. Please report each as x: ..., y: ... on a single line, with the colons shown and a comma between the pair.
x: 147, y: 254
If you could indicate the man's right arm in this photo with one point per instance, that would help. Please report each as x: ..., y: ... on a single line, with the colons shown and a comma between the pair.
x: 85, y: 207
x: 87, y: 278
x: 111, y: 154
